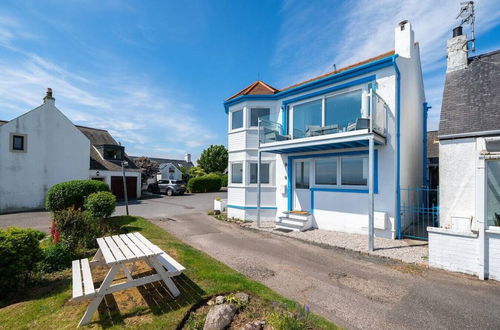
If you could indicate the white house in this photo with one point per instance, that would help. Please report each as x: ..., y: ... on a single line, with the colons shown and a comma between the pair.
x: 42, y: 147
x: 313, y: 139
x: 468, y: 239
x: 37, y: 150
x: 171, y: 168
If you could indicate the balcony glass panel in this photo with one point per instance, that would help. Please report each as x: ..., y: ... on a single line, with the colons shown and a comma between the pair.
x: 343, y: 111
x: 306, y: 117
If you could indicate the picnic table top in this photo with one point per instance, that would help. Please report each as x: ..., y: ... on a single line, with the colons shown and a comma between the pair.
x: 127, y: 247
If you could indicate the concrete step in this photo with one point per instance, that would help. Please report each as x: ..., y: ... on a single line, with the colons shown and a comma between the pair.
x: 289, y: 226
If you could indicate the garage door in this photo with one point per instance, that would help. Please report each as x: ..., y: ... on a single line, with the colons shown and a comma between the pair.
x: 117, y: 187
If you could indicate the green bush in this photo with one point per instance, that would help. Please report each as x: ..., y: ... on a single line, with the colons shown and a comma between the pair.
x: 224, y: 180
x: 205, y: 183
x: 19, y: 253
x: 78, y: 229
x: 56, y: 257
x: 100, y: 205
x: 72, y: 194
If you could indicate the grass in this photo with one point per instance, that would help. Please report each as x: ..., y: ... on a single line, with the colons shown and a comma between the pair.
x: 48, y: 305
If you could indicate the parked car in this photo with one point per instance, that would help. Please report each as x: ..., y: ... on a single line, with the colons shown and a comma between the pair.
x: 172, y: 187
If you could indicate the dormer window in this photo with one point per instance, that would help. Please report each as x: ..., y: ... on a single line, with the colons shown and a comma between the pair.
x: 112, y: 152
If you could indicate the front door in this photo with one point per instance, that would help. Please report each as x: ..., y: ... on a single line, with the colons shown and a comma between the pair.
x: 301, y: 180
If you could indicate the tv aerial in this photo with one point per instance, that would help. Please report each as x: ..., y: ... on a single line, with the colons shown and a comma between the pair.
x: 467, y: 16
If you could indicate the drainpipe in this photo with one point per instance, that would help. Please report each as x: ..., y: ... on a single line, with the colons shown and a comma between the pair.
x: 398, y: 134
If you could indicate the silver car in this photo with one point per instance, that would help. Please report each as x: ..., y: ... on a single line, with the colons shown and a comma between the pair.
x: 172, y: 187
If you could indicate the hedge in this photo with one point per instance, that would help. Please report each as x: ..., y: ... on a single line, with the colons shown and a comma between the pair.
x: 100, y: 204
x: 205, y: 183
x: 224, y: 180
x: 19, y: 253
x: 72, y: 194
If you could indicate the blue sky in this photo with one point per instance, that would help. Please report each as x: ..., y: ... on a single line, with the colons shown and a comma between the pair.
x: 155, y: 73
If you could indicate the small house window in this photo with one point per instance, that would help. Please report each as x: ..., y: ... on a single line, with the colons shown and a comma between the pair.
x: 264, y: 173
x: 237, y: 173
x: 237, y: 119
x: 18, y: 142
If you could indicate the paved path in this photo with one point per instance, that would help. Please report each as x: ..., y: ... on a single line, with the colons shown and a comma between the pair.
x: 352, y: 290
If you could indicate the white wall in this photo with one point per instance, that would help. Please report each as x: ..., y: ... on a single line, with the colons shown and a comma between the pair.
x: 56, y: 151
x: 108, y: 174
x: 457, y: 179
x: 165, y: 174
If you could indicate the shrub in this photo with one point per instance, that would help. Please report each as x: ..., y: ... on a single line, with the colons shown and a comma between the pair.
x: 100, y: 205
x: 72, y: 194
x: 223, y: 180
x: 56, y: 257
x: 205, y: 183
x: 76, y: 227
x: 19, y: 253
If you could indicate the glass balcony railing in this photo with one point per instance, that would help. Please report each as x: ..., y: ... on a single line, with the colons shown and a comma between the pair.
x: 376, y: 122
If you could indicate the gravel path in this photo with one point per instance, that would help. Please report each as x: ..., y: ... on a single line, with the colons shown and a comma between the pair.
x: 410, y: 251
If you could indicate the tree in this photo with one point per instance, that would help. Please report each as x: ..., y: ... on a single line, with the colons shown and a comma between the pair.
x: 196, y: 171
x: 214, y: 159
x: 148, y: 167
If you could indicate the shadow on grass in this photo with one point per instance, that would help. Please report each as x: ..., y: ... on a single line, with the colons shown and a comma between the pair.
x: 158, y: 298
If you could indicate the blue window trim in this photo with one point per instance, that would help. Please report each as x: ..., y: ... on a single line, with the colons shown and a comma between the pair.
x: 341, y: 76
x: 251, y: 207
x: 291, y: 159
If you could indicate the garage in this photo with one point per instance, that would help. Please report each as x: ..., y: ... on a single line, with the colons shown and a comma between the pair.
x: 117, y: 187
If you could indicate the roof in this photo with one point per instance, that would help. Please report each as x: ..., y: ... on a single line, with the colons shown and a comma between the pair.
x: 471, y: 98
x: 261, y: 88
x: 97, y: 138
x: 176, y: 162
x: 432, y: 144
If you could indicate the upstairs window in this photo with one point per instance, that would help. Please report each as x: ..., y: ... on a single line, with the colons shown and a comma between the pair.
x: 264, y: 173
x: 343, y: 109
x: 237, y: 119
x: 306, y: 116
x: 257, y: 113
x: 18, y: 142
x: 112, y: 152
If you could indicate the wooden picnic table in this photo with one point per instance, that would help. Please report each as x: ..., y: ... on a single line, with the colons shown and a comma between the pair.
x: 122, y: 252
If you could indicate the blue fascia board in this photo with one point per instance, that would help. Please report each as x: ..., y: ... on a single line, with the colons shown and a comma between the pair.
x: 251, y: 207
x: 343, y: 190
x: 344, y: 75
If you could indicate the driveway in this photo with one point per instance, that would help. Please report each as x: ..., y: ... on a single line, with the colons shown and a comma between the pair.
x: 151, y: 207
x: 352, y: 290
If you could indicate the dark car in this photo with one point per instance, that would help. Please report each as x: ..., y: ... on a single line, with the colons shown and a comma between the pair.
x: 172, y: 187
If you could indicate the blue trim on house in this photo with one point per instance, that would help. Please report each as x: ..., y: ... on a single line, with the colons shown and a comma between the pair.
x: 398, y: 140
x: 344, y: 75
x: 343, y: 190
x: 284, y: 120
x: 425, y: 174
x: 251, y: 207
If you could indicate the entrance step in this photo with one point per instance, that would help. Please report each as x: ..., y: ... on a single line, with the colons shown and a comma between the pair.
x: 295, y: 221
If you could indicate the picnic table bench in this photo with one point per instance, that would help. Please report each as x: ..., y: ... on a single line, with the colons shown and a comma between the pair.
x: 117, y: 252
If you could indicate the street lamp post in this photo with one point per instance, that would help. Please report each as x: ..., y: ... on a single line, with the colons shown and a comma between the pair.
x: 125, y: 163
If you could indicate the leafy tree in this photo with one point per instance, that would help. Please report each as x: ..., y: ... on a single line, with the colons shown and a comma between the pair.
x: 196, y: 171
x: 214, y: 159
x: 148, y: 167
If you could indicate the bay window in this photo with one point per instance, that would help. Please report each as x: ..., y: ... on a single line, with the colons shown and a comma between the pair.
x: 264, y: 173
x: 256, y: 113
x: 237, y: 119
x: 237, y: 173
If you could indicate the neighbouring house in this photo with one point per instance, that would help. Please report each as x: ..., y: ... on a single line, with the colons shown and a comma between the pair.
x: 106, y: 157
x: 43, y: 147
x: 312, y: 141
x: 432, y: 160
x: 468, y: 239
x: 171, y: 168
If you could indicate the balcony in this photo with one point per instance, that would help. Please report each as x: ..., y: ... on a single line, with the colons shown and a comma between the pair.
x: 273, y: 138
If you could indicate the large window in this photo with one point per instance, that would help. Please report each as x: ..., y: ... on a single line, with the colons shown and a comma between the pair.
x: 354, y: 171
x: 264, y: 173
x: 237, y: 173
x: 257, y: 113
x: 343, y: 109
x: 302, y: 175
x: 325, y: 170
x: 493, y: 192
x: 237, y: 119
x: 306, y: 116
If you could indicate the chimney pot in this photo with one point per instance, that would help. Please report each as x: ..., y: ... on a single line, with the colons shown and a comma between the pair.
x: 48, y: 96
x: 457, y: 31
x: 187, y: 158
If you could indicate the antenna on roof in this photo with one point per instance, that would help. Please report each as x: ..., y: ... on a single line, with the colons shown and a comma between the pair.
x: 258, y: 76
x: 334, y: 67
x: 468, y: 17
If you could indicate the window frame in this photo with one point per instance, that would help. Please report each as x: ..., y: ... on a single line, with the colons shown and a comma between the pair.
x: 339, y: 184
x: 24, y: 137
x: 250, y: 115
x: 242, y: 119
x: 351, y: 186
x: 242, y: 172
x: 269, y: 163
x: 337, y: 165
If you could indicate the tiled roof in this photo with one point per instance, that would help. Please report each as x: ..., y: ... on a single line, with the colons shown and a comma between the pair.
x: 177, y: 162
x: 432, y: 144
x: 471, y: 97
x: 261, y: 88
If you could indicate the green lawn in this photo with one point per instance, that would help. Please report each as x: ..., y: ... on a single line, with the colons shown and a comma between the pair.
x: 48, y: 307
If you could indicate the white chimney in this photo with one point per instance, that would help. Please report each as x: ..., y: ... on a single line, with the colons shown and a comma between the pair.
x: 48, y: 97
x: 457, y: 52
x: 403, y: 39
x: 187, y: 158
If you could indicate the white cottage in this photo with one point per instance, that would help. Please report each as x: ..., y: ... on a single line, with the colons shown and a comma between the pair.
x: 313, y: 140
x: 468, y: 239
